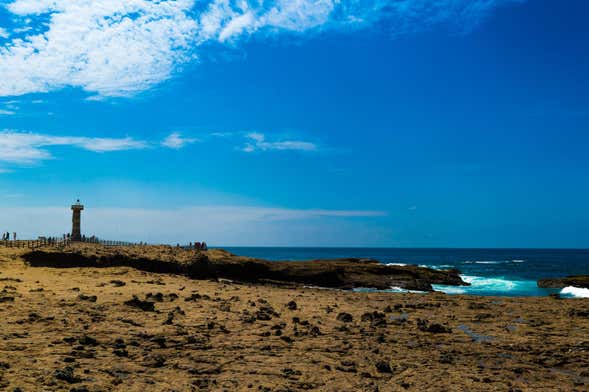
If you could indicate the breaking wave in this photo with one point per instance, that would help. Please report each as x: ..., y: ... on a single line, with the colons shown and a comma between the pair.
x: 493, y: 261
x: 575, y: 292
x: 480, y: 285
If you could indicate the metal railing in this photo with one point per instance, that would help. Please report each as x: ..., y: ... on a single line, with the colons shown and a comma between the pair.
x: 59, y: 242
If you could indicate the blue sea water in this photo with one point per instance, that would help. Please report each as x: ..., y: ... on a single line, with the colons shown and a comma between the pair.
x: 497, y: 272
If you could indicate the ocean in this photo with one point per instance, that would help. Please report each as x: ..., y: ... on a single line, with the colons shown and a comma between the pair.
x: 491, y: 272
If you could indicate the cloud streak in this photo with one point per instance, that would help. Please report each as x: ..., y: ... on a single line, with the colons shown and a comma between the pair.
x: 116, y: 48
x: 257, y: 142
x: 30, y: 148
x: 176, y: 141
x: 26, y: 148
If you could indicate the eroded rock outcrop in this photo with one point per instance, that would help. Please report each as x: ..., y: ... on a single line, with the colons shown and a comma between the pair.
x: 339, y: 273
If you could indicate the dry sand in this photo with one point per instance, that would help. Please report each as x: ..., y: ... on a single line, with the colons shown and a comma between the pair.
x: 71, y: 330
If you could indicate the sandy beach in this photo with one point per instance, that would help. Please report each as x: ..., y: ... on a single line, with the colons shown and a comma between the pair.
x: 96, y: 329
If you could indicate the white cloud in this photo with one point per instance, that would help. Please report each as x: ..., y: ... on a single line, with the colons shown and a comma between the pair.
x: 4, y: 33
x: 115, y: 48
x: 4, y: 112
x: 111, y: 47
x: 176, y: 141
x: 257, y: 142
x: 28, y: 148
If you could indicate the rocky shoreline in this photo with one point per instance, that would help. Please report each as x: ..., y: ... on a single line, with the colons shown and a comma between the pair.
x: 104, y: 327
x: 219, y: 264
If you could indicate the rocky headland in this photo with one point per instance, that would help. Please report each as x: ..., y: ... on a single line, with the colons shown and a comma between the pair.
x: 83, y: 320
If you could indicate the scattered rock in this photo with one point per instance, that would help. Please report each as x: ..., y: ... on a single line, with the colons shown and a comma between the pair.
x: 66, y: 374
x: 345, y: 317
x: 146, y: 306
x: 292, y: 305
x: 89, y: 298
x: 425, y: 326
x: 383, y: 367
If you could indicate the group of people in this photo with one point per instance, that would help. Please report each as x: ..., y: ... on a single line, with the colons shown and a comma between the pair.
x: 199, y: 246
x: 6, y: 236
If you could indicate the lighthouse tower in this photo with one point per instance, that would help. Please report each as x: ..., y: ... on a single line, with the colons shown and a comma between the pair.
x: 76, y: 220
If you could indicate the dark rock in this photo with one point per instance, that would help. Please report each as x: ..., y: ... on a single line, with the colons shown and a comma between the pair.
x: 89, y: 298
x: 579, y: 313
x: 79, y: 389
x: 425, y: 326
x: 121, y: 353
x: 559, y: 283
x: 288, y: 372
x: 376, y: 319
x: 345, y: 317
x: 155, y: 361
x: 292, y: 305
x: 340, y: 273
x: 286, y: 339
x: 266, y: 312
x: 88, y: 341
x: 193, y: 297
x: 146, y: 306
x: 117, y: 283
x: 66, y: 374
x: 383, y: 367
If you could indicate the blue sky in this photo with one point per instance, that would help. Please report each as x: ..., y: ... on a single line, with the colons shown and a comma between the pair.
x: 351, y: 123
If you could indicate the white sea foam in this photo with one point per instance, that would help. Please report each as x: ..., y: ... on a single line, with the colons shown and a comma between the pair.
x: 576, y: 292
x: 486, y: 285
x: 437, y: 267
x: 493, y: 261
x: 402, y: 290
x: 397, y: 264
x: 393, y: 289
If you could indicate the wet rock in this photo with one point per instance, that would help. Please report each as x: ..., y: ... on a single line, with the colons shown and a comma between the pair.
x: 345, y: 317
x: 146, y: 306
